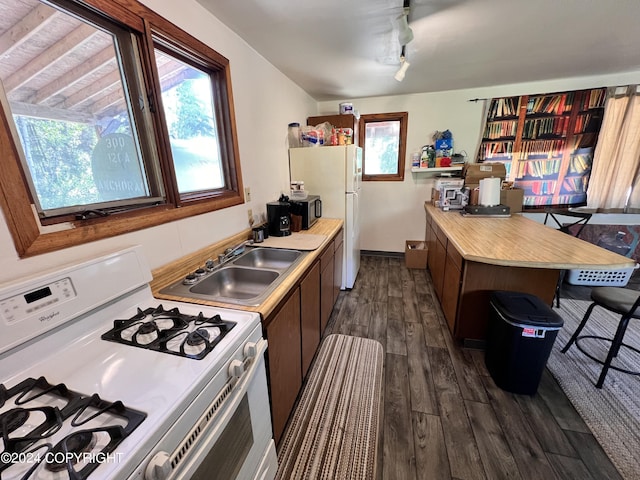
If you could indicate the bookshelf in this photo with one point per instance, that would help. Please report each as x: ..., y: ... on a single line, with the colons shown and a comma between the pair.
x: 546, y: 143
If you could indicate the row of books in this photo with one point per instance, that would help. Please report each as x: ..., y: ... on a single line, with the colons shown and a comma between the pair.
x: 546, y: 148
x: 501, y: 129
x: 575, y: 184
x: 580, y: 163
x: 503, y: 107
x: 538, y: 127
x: 533, y: 201
x: 587, y: 122
x: 553, y: 104
x: 546, y: 187
x: 583, y: 141
x: 594, y: 99
x: 495, y: 149
x: 571, y: 199
x: 538, y: 168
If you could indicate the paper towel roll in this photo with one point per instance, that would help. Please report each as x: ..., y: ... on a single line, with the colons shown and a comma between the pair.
x: 489, y: 191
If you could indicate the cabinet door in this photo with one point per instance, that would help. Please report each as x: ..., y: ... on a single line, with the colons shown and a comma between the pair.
x: 283, y: 353
x: 451, y: 286
x: 326, y: 286
x: 310, y: 316
x: 438, y: 264
x: 431, y: 247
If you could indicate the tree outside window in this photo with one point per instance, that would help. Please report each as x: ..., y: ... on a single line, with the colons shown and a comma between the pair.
x: 383, y: 137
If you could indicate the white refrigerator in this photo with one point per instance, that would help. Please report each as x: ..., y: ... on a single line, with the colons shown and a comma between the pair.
x: 334, y: 173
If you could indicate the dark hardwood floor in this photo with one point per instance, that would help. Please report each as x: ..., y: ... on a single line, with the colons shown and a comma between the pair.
x: 443, y: 415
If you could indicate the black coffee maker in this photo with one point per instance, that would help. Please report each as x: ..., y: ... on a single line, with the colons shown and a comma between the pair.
x: 279, y: 217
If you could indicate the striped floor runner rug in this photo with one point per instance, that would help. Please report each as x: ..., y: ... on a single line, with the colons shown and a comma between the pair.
x: 334, y: 430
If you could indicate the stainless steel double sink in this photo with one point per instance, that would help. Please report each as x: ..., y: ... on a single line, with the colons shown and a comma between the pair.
x: 247, y: 279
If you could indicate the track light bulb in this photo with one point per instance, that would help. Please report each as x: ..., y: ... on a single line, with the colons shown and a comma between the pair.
x: 399, y: 76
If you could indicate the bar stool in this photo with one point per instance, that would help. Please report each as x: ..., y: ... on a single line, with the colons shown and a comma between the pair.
x: 582, y: 220
x: 623, y: 301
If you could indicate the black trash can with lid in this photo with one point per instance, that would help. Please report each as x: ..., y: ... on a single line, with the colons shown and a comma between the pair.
x: 522, y: 331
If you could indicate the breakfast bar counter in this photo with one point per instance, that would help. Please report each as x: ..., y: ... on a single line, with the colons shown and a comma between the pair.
x: 471, y: 256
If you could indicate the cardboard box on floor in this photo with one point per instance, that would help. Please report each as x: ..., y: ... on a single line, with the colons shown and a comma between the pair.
x: 415, y: 254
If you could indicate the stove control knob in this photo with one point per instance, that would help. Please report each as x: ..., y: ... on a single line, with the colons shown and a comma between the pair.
x: 236, y: 368
x: 250, y: 350
x: 159, y: 467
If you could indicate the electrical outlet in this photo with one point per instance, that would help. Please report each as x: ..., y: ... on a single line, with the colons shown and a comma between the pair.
x: 247, y: 194
x: 250, y: 216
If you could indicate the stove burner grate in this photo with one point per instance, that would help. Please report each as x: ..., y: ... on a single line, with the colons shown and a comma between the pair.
x: 190, y: 336
x: 78, y: 411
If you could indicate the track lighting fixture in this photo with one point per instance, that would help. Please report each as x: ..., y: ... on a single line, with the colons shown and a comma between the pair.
x: 405, y: 34
x: 404, y: 65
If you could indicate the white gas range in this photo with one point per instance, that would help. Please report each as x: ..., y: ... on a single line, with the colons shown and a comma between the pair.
x: 100, y: 380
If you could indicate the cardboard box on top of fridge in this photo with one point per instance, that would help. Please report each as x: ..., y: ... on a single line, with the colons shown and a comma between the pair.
x: 474, y: 172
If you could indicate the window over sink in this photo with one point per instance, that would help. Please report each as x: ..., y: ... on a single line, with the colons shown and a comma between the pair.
x: 112, y: 118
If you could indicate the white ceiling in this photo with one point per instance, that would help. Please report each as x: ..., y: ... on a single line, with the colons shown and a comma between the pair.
x: 342, y: 49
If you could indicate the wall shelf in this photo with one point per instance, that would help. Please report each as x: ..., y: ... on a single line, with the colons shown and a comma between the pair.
x: 457, y: 168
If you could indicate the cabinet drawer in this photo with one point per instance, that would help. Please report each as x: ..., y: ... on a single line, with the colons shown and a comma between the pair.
x: 454, y: 256
x: 327, y: 257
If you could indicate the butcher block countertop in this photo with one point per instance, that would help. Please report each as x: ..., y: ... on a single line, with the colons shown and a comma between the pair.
x: 518, y: 241
x: 176, y: 270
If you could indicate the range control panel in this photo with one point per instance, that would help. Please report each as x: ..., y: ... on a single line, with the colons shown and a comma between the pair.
x: 25, y: 305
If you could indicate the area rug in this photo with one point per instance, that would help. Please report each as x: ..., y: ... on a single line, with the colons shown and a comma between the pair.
x: 334, y: 430
x: 613, y: 412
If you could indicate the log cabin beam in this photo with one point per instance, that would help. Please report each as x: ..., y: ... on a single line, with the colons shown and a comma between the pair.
x: 74, y: 76
x: 28, y: 26
x: 51, y: 55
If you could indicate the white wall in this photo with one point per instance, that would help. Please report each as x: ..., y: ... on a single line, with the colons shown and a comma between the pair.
x: 393, y: 212
x: 265, y: 102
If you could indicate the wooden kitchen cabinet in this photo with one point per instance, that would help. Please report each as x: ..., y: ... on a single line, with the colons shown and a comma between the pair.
x: 338, y: 261
x: 327, y: 267
x: 294, y: 332
x: 310, y: 316
x: 430, y: 238
x: 437, y: 265
x: 284, y: 360
x: 451, y: 285
x: 338, y: 121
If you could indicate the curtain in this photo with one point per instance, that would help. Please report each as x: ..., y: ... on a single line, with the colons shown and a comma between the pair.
x: 617, y: 154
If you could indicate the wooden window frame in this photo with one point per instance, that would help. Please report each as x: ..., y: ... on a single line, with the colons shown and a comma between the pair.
x: 403, y: 118
x: 31, y: 236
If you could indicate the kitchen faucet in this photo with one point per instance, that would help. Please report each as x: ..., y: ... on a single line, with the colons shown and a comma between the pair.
x: 236, y: 250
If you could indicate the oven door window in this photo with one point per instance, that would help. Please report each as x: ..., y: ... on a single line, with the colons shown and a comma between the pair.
x: 228, y: 454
